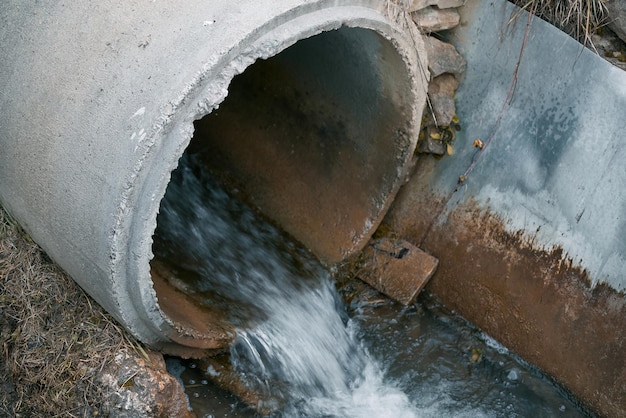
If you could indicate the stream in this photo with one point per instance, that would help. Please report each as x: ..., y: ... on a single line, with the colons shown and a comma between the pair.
x: 308, y: 349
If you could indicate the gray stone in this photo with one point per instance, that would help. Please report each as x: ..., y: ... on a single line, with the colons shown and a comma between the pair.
x: 433, y: 19
x: 429, y: 145
x: 142, y: 388
x: 442, y: 4
x: 443, y: 57
x: 441, y: 93
x: 617, y: 17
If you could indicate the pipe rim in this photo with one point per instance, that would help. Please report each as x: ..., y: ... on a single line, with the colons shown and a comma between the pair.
x: 165, y: 144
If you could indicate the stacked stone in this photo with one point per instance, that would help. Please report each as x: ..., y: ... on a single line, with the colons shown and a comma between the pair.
x: 446, y: 67
x: 617, y: 17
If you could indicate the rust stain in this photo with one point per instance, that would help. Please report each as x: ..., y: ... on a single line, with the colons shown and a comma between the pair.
x: 397, y: 268
x: 202, y: 328
x: 535, y: 301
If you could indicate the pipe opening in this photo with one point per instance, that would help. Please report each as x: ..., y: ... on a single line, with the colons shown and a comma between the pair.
x: 317, y: 138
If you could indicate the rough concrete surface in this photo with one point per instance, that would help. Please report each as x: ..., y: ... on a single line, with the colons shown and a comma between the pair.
x: 97, y: 104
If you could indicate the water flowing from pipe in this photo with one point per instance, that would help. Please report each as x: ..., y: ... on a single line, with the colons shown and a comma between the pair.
x: 295, y: 345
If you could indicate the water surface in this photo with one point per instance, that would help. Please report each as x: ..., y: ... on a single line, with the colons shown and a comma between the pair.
x: 305, y: 349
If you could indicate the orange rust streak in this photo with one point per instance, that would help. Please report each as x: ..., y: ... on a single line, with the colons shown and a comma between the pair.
x: 536, y: 302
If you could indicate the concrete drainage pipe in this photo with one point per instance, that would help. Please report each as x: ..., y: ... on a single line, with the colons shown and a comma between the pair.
x: 98, y: 103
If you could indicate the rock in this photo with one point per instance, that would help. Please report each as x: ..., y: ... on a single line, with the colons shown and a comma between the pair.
x: 429, y: 145
x: 433, y: 19
x: 142, y: 388
x: 442, y: 4
x: 441, y: 91
x: 397, y: 268
x: 225, y: 377
x: 617, y: 17
x: 610, y: 47
x: 443, y: 57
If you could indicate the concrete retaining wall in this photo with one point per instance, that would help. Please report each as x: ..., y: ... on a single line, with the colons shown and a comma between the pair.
x: 531, y: 241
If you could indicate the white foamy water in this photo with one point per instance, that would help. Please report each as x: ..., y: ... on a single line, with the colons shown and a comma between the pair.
x: 311, y: 357
x: 295, y: 345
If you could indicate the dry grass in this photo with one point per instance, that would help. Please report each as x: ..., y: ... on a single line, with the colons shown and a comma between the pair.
x: 577, y: 18
x: 53, y: 338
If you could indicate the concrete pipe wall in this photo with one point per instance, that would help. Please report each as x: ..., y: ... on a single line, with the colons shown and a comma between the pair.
x: 98, y: 103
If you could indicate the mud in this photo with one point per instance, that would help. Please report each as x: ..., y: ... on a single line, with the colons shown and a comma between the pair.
x: 535, y: 301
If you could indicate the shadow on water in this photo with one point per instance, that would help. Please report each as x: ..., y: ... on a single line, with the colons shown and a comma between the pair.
x: 447, y: 367
x: 307, y: 349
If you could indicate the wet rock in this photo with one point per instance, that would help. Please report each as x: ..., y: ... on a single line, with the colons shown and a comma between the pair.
x: 397, y: 268
x: 443, y: 57
x: 226, y: 378
x: 433, y: 19
x: 441, y: 91
x: 617, y: 22
x: 142, y: 388
x: 442, y: 4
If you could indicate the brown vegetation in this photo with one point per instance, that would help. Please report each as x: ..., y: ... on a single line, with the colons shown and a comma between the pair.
x: 54, y: 339
x: 578, y: 18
